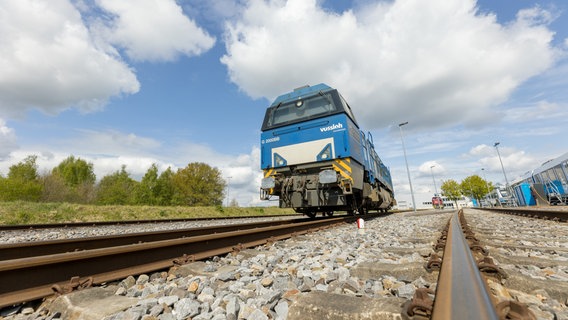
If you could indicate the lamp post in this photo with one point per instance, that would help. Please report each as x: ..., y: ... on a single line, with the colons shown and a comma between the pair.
x: 488, y: 196
x: 503, y: 168
x: 406, y: 161
x: 434, y: 180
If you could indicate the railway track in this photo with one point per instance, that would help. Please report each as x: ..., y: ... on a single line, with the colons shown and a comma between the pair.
x: 469, y: 279
x: 462, y: 290
x: 35, y: 270
x: 40, y: 248
x: 341, y: 272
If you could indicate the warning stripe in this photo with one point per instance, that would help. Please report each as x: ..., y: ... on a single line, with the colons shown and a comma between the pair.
x: 343, y: 166
x: 268, y: 172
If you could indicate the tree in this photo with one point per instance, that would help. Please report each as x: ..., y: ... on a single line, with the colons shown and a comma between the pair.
x: 116, y: 188
x: 72, y: 180
x: 452, y: 190
x: 165, y: 188
x: 22, y: 182
x: 475, y: 186
x: 198, y: 184
x: 75, y: 171
x: 54, y: 189
x: 25, y: 170
x: 146, y: 190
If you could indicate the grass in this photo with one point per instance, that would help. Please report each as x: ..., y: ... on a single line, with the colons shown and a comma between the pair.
x: 21, y: 212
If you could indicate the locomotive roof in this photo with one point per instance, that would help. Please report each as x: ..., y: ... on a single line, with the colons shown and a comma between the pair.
x: 301, y: 92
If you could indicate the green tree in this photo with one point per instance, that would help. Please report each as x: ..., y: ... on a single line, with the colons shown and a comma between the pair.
x: 116, y: 188
x: 164, y: 190
x: 25, y: 170
x: 198, y: 184
x: 146, y: 190
x: 475, y: 186
x: 73, y: 180
x: 75, y: 171
x: 452, y: 190
x: 22, y: 182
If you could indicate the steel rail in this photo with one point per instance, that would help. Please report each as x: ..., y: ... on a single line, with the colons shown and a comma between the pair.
x: 533, y: 213
x: 38, y: 248
x: 35, y: 277
x: 130, y: 222
x: 461, y: 292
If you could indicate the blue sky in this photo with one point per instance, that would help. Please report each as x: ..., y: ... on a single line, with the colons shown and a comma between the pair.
x: 174, y: 82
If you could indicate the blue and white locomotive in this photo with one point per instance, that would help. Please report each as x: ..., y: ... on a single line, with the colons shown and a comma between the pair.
x: 316, y: 159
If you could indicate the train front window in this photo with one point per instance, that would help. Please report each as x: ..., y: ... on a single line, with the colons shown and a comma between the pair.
x: 300, y: 110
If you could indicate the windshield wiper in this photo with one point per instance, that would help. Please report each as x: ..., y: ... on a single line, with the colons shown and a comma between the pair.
x: 325, y: 97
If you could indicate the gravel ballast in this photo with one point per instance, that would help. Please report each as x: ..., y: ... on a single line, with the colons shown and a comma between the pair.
x: 381, y: 265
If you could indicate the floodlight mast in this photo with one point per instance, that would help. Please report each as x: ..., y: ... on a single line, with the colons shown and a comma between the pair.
x: 434, y: 180
x: 406, y: 161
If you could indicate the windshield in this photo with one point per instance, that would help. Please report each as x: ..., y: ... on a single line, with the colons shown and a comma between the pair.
x: 307, y: 108
x: 300, y: 110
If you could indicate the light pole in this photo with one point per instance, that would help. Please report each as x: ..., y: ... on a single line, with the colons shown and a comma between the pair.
x: 503, y: 168
x: 228, y: 190
x: 488, y: 196
x: 405, y: 160
x: 434, y: 180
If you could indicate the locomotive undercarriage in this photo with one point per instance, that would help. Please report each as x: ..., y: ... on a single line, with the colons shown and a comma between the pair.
x: 307, y: 191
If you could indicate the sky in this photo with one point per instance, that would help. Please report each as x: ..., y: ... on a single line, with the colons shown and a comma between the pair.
x: 173, y: 82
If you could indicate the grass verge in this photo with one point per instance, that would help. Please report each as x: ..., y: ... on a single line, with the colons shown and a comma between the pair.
x: 21, y: 212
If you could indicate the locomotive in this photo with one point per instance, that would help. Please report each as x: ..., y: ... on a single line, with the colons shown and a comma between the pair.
x: 315, y: 158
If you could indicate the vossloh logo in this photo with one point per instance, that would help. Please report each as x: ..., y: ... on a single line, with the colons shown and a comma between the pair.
x: 332, y: 127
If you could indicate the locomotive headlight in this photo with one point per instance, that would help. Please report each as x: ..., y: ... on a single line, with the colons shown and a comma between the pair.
x: 267, y: 183
x: 327, y: 176
x: 279, y: 161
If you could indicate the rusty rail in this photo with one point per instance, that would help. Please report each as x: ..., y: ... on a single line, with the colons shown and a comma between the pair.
x: 548, y: 214
x: 40, y: 248
x: 461, y: 292
x: 132, y: 222
x: 32, y: 278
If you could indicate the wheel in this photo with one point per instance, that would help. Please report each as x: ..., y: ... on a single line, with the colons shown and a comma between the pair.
x: 328, y: 213
x: 311, y: 214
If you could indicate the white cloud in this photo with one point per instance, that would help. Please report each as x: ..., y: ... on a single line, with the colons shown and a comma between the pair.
x: 514, y: 161
x: 111, y: 142
x: 7, y: 140
x: 431, y: 167
x: 48, y: 60
x: 152, y: 30
x: 433, y: 63
x: 540, y: 111
x: 482, y: 150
